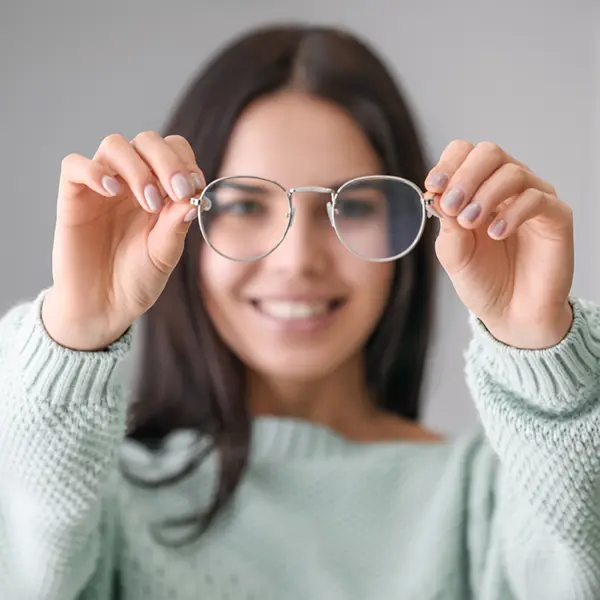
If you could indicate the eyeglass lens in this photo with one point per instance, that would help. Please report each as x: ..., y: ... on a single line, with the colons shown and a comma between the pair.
x: 248, y: 217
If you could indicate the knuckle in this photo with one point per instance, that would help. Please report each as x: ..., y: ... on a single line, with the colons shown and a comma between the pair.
x: 540, y: 198
x: 492, y: 149
x: 177, y: 139
x: 515, y: 173
x: 146, y: 136
x: 182, y: 148
x: 161, y: 265
x: 460, y: 146
x: 111, y: 141
x: 551, y: 189
x: 67, y: 160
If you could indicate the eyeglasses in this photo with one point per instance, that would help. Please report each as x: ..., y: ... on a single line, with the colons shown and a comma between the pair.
x: 378, y: 218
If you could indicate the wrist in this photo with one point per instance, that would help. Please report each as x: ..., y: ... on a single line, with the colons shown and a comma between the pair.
x: 536, y: 333
x: 84, y: 336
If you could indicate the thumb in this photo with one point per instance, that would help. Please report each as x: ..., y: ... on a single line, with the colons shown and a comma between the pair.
x: 454, y: 245
x: 166, y: 240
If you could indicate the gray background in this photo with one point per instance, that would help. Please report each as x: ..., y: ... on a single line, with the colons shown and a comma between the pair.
x: 522, y: 73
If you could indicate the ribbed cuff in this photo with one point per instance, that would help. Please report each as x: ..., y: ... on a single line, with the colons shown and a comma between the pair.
x: 57, y: 375
x: 557, y: 379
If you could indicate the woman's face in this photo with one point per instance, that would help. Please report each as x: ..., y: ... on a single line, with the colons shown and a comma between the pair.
x: 307, y: 308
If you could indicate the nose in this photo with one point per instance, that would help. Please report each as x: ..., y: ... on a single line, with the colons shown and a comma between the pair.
x: 307, y: 247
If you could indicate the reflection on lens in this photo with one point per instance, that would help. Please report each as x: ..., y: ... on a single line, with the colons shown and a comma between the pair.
x: 247, y: 218
x: 378, y: 218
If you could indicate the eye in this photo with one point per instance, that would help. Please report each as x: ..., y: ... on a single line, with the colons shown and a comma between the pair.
x: 242, y: 207
x: 356, y: 208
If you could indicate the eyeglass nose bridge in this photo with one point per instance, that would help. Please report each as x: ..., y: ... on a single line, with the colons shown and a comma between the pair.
x: 315, y: 189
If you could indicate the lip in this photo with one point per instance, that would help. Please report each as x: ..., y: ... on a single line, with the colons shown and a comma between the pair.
x: 311, y: 324
x: 297, y: 298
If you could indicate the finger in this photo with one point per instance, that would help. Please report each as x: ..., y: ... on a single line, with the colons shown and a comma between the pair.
x: 117, y: 154
x: 438, y: 178
x: 79, y: 172
x: 168, y: 166
x: 161, y: 190
x: 530, y: 204
x: 481, y: 164
x: 166, y: 240
x: 182, y: 148
x: 452, y: 157
x: 510, y: 180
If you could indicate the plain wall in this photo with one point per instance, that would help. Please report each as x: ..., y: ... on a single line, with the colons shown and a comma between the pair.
x: 522, y: 73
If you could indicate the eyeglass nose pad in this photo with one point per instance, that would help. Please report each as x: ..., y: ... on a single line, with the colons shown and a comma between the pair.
x: 330, y: 212
x: 292, y: 213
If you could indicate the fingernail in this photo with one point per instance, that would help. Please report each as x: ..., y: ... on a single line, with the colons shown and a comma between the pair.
x: 437, y: 180
x: 497, y: 228
x: 470, y: 213
x: 182, y: 186
x: 452, y: 200
x: 198, y: 181
x: 111, y: 185
x: 192, y: 214
x: 153, y: 199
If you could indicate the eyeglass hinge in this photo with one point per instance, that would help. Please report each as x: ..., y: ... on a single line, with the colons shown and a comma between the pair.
x: 204, y: 203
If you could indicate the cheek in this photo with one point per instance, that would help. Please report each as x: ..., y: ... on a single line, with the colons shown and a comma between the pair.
x: 220, y: 282
x: 371, y: 283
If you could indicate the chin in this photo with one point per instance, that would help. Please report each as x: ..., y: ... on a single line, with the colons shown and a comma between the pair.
x: 300, y: 365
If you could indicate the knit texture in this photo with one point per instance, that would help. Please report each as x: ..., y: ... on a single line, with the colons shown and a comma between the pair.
x: 510, y: 511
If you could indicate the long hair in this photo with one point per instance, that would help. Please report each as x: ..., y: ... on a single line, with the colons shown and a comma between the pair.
x: 188, y: 377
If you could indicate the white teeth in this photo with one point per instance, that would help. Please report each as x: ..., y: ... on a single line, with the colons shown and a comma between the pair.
x: 294, y: 310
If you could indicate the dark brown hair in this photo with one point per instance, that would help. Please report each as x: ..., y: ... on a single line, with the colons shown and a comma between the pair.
x: 188, y: 377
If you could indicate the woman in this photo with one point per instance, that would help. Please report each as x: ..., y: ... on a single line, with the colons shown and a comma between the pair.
x: 297, y: 361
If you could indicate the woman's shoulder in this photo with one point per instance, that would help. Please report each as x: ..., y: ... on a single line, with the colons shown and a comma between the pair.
x: 463, y: 459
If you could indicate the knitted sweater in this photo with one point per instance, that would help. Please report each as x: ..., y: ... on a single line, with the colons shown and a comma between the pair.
x: 510, y: 511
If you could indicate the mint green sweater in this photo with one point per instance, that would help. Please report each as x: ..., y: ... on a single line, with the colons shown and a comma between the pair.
x: 511, y: 512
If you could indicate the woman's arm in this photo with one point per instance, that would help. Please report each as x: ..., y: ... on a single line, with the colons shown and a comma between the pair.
x: 541, y: 412
x: 62, y: 419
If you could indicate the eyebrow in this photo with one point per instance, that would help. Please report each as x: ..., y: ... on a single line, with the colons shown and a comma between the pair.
x: 358, y: 185
x: 257, y: 189
x: 242, y: 186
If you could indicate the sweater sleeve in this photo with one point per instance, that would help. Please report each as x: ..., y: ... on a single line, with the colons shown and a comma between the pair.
x: 541, y: 414
x: 62, y: 419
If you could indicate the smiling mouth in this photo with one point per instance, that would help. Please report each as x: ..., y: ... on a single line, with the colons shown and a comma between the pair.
x: 288, y: 310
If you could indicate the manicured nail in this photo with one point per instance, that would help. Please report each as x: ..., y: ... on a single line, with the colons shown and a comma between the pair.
x: 198, y: 181
x: 437, y: 180
x: 192, y: 214
x: 111, y: 185
x: 153, y: 199
x: 470, y: 213
x: 497, y: 228
x: 182, y: 186
x: 452, y: 200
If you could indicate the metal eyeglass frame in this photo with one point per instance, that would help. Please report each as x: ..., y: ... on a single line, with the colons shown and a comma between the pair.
x: 204, y: 204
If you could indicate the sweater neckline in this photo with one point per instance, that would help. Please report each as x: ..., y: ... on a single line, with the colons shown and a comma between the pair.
x: 289, y: 437
x: 276, y: 437
x: 273, y: 439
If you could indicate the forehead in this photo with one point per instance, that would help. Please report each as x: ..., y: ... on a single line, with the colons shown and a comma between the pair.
x: 298, y: 140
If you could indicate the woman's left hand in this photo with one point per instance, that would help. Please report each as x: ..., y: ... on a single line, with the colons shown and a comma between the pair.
x: 506, y: 241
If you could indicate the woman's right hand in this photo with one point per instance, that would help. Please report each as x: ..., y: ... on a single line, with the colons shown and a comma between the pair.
x: 120, y: 231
